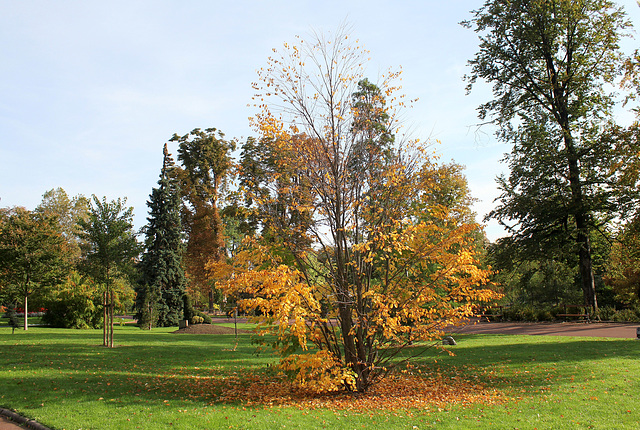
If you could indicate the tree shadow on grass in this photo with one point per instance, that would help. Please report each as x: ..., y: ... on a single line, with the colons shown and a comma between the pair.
x: 163, y: 367
x: 533, y: 362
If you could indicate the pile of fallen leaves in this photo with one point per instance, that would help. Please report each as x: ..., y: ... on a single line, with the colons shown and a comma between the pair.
x: 409, y: 389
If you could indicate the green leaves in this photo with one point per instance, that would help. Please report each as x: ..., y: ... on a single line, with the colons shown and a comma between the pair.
x: 32, y: 254
x: 556, y: 55
x: 552, y: 65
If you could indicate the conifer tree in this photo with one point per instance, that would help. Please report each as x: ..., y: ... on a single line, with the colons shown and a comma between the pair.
x: 160, y: 293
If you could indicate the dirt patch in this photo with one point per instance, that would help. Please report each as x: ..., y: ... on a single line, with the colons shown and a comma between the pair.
x: 208, y: 329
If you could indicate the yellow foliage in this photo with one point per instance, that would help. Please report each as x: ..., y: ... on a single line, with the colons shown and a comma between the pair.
x: 358, y: 257
x: 319, y: 372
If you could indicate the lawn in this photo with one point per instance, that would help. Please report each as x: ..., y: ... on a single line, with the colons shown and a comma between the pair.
x: 151, y: 380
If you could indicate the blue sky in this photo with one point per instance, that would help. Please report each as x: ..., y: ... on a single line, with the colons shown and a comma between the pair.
x: 90, y: 91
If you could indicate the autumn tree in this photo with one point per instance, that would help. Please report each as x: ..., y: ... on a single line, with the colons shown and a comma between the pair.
x: 551, y: 64
x: 162, y: 287
x: 32, y: 254
x: 108, y: 250
x: 623, y: 265
x: 56, y: 202
x: 353, y: 257
x: 205, y: 158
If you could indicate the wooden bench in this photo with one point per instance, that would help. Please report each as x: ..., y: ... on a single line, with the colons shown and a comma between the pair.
x: 487, y: 314
x: 575, y: 311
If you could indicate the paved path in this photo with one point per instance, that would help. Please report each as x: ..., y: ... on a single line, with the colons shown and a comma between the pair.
x: 619, y: 330
x: 19, y: 423
x: 6, y: 424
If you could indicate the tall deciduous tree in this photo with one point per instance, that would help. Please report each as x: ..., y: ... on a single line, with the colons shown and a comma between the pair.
x: 160, y: 294
x: 206, y: 162
x: 32, y: 253
x: 109, y: 249
x: 56, y: 202
x: 550, y: 63
x: 354, y: 257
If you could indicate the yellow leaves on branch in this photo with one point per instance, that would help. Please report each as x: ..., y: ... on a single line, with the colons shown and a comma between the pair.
x: 278, y: 295
x: 318, y: 372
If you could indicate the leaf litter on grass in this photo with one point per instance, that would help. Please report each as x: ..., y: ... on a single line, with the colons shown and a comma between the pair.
x: 412, y: 388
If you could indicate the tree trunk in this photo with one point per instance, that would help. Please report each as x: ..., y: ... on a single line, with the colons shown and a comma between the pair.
x: 104, y: 318
x: 582, y: 225
x: 351, y: 357
x: 111, y: 308
x: 26, y: 312
x: 586, y: 272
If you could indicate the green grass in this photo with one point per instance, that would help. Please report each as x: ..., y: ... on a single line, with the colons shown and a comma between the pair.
x: 65, y: 379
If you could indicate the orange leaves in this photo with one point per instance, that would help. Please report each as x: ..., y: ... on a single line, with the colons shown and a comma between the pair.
x: 278, y: 294
x: 359, y: 253
x: 413, y: 388
x: 319, y: 372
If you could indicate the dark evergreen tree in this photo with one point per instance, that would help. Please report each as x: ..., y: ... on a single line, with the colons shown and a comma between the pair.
x: 159, y: 297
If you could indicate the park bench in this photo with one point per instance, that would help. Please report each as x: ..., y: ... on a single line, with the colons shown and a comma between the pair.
x: 574, y: 311
x: 492, y: 312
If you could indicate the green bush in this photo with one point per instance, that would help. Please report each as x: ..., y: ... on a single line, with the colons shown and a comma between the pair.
x: 521, y: 313
x: 545, y: 315
x: 205, y: 319
x: 626, y: 315
x: 607, y: 313
x: 74, y: 305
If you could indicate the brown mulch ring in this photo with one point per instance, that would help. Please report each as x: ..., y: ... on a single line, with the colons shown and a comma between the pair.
x: 208, y: 329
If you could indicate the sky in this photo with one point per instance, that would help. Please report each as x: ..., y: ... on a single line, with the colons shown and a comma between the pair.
x: 90, y: 91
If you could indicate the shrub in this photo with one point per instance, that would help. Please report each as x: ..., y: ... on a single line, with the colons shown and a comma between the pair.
x: 206, y: 319
x: 521, y: 313
x: 626, y: 315
x: 73, y: 305
x: 607, y: 313
x: 200, y: 318
x: 545, y: 315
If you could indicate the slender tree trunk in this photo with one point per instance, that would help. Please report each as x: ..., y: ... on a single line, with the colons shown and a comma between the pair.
x: 111, y: 308
x: 26, y: 312
x: 104, y: 318
x: 150, y: 305
x: 350, y: 354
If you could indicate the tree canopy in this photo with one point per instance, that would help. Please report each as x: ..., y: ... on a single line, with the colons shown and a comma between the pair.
x: 553, y: 65
x: 205, y: 158
x: 108, y: 249
x: 354, y: 256
x: 32, y: 254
